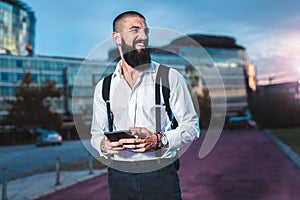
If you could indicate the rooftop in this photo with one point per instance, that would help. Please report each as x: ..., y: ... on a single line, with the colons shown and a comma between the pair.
x: 19, y: 4
x: 213, y: 41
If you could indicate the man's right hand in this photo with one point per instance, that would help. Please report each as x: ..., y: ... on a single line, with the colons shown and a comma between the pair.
x: 110, y: 147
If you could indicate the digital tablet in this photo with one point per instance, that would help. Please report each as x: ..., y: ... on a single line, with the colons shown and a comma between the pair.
x: 115, y: 136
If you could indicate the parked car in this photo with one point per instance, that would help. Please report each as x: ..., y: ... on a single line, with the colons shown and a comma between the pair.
x: 48, y: 137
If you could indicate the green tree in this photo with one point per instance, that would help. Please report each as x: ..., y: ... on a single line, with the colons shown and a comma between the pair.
x: 31, y: 108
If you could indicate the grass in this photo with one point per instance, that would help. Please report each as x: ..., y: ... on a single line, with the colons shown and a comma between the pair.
x: 289, y: 136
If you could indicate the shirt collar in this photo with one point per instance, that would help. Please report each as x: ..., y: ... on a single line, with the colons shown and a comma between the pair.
x: 152, y: 68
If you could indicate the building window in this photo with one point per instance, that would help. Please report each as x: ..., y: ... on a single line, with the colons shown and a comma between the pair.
x: 4, y: 76
x: 19, y: 77
x: 34, y: 77
x: 19, y: 63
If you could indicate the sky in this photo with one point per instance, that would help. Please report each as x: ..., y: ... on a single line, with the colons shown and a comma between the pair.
x: 268, y: 29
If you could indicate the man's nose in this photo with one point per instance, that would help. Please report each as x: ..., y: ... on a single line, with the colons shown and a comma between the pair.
x: 143, y: 34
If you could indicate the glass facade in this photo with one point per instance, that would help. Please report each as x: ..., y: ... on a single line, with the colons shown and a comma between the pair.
x: 12, y: 69
x: 17, y: 28
x: 81, y: 82
x: 77, y: 77
x: 231, y: 61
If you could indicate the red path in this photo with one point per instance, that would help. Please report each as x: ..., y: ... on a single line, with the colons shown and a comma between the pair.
x: 243, y: 165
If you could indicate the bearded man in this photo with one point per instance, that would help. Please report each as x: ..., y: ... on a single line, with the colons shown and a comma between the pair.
x: 137, y: 171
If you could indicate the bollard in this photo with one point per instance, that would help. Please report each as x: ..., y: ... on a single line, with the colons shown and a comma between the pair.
x: 57, y: 168
x: 91, y: 163
x: 4, y: 184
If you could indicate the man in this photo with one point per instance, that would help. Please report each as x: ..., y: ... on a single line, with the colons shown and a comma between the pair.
x: 132, y: 104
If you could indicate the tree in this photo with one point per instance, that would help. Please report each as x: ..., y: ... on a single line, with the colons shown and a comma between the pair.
x: 31, y: 109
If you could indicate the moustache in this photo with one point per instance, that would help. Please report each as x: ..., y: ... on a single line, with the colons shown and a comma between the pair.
x: 145, y: 42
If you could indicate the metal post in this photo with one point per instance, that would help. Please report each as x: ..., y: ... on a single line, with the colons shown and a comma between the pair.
x: 91, y: 163
x: 57, y: 168
x: 4, y: 184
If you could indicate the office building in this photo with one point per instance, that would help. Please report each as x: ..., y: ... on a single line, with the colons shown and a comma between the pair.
x: 60, y: 69
x: 208, y: 58
x: 17, y: 28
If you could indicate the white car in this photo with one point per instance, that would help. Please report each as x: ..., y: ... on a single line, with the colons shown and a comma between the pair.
x: 47, y: 137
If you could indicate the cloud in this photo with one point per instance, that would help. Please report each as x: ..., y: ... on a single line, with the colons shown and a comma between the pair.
x: 276, y: 52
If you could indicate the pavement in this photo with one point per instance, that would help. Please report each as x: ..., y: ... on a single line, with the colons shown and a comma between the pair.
x: 33, y: 187
x: 244, y: 164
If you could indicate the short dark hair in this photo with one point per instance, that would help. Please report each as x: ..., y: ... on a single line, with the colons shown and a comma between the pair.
x: 124, y: 15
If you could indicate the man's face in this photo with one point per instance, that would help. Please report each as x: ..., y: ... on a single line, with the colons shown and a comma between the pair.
x: 135, y: 41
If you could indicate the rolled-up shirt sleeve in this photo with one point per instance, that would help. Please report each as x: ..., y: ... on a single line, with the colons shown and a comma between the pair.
x: 99, y: 120
x: 183, y: 109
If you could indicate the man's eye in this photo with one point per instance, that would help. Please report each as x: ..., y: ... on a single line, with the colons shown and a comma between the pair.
x: 134, y: 30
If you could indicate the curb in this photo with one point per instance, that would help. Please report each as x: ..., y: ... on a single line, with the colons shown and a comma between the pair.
x: 39, y: 185
x: 70, y: 184
x: 286, y: 149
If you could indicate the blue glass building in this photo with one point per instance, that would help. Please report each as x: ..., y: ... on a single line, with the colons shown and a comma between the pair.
x: 17, y: 28
x: 60, y: 69
x: 204, y: 53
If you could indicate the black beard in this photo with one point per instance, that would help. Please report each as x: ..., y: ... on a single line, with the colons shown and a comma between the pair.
x: 133, y: 57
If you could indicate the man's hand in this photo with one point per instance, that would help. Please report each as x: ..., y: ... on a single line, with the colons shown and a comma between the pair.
x: 140, y: 132
x: 146, y: 140
x: 110, y: 147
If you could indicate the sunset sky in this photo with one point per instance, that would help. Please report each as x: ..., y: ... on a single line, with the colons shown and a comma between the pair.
x: 268, y: 29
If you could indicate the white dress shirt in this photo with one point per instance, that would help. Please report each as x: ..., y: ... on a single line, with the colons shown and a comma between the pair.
x: 136, y: 108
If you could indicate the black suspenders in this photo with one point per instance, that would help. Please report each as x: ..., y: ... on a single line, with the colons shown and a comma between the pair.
x: 105, y: 96
x: 162, y: 79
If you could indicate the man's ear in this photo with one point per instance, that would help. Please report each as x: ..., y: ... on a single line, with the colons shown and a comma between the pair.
x: 117, y: 38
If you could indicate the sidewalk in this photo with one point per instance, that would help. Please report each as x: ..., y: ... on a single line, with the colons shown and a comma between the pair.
x: 243, y: 165
x: 33, y: 187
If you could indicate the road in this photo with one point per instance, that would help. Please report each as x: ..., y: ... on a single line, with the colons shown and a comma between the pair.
x: 26, y: 159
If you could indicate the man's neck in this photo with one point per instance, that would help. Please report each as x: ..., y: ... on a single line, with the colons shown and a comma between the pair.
x: 129, y: 73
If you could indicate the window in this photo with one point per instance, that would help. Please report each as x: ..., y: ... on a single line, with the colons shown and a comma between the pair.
x: 7, y: 91
x: 19, y: 76
x: 19, y: 63
x: 34, y: 77
x: 4, y: 76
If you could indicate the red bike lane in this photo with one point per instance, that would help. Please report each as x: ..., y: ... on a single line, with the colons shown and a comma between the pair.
x: 244, y: 164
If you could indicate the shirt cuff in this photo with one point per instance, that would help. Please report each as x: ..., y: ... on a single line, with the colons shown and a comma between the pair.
x: 96, y: 143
